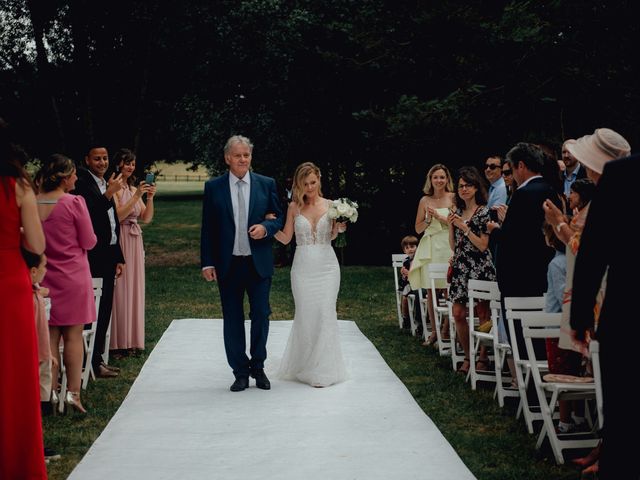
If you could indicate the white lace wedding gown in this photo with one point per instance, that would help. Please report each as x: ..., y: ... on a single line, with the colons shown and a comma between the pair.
x: 313, y: 354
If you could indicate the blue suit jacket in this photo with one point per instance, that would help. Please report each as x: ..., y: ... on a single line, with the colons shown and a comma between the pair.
x: 218, y: 226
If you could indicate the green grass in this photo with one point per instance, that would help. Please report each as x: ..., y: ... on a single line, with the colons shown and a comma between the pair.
x: 489, y: 440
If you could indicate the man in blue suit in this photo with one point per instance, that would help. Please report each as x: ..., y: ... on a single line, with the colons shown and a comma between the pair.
x: 235, y: 251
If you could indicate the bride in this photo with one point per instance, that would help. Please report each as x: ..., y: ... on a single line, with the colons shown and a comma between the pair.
x: 313, y: 354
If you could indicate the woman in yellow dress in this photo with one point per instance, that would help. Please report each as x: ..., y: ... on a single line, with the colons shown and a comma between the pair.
x: 431, y: 219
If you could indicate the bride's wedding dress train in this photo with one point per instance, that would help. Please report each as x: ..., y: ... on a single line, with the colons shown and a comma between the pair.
x: 313, y: 354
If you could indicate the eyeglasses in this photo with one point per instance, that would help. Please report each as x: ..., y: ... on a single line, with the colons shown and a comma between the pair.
x: 507, y: 172
x: 464, y: 186
x: 491, y: 166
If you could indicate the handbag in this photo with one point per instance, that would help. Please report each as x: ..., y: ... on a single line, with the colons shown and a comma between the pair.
x: 450, y: 273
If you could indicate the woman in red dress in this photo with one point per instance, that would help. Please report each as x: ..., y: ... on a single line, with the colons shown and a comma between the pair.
x: 21, y: 447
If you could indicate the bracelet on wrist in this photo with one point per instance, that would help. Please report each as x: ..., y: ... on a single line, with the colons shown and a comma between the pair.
x: 466, y: 233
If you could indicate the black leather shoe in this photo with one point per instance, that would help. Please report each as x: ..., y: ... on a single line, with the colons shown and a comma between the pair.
x: 104, y: 372
x: 261, y: 379
x: 110, y: 367
x: 240, y: 384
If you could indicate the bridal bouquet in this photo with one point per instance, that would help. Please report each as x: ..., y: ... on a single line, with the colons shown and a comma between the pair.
x: 343, y: 210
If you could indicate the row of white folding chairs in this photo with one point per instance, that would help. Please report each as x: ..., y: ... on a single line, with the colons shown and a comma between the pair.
x: 516, y: 309
x: 536, y: 323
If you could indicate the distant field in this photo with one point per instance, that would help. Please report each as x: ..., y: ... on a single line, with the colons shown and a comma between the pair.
x: 177, y: 179
x: 178, y: 169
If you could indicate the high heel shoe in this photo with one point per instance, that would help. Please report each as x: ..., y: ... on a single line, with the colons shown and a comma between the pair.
x: 55, y: 399
x: 73, y: 400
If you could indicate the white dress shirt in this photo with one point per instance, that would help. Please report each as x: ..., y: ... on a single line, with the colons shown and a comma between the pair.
x: 233, y: 186
x: 102, y: 185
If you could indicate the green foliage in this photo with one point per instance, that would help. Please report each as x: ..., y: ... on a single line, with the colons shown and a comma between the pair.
x: 374, y: 92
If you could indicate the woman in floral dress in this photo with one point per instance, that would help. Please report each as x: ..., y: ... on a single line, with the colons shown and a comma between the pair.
x: 469, y: 240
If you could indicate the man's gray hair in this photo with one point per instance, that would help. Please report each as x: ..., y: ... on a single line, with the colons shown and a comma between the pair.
x: 237, y: 139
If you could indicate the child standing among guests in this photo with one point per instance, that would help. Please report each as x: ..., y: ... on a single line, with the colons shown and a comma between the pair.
x: 561, y: 361
x: 37, y: 265
x: 409, y: 245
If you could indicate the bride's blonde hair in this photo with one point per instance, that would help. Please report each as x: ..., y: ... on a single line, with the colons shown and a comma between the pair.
x: 303, y: 171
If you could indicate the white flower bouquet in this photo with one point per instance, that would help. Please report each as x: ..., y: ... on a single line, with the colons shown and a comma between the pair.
x: 343, y: 210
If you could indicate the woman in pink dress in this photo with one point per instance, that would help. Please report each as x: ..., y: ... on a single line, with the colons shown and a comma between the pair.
x: 67, y: 227
x: 127, y: 320
x: 21, y: 448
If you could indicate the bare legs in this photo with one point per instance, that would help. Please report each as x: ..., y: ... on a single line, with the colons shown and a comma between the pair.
x: 462, y: 329
x: 432, y: 318
x: 73, y: 354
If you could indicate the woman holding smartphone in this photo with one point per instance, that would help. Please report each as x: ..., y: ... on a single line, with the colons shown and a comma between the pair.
x: 127, y: 321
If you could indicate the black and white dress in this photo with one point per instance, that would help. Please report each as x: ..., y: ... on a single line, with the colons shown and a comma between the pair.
x: 468, y: 261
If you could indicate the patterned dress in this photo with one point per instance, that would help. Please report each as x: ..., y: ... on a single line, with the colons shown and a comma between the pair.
x: 468, y: 261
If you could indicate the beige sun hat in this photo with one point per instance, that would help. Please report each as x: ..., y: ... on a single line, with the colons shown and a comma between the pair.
x: 598, y: 148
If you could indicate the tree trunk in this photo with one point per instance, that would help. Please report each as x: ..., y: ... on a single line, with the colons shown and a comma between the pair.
x: 80, y: 35
x: 151, y: 25
x: 55, y: 141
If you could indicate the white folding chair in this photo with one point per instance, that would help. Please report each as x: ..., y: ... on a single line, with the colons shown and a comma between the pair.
x: 424, y: 313
x: 488, y: 291
x: 455, y: 349
x: 501, y: 349
x: 88, y: 340
x: 542, y: 325
x: 594, y: 350
x: 514, y: 307
x: 89, y: 336
x: 397, y: 260
x: 438, y: 274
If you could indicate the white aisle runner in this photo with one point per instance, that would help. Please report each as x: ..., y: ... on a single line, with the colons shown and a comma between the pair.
x: 180, y: 421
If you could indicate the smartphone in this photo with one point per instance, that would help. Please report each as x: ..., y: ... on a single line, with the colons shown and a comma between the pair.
x: 493, y: 215
x: 150, y: 179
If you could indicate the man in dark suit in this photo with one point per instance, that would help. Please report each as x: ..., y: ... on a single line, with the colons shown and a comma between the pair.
x: 602, y: 247
x: 522, y: 254
x: 236, y: 252
x: 105, y: 259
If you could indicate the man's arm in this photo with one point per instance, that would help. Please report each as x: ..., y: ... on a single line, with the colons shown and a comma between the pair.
x: 95, y: 201
x: 272, y: 226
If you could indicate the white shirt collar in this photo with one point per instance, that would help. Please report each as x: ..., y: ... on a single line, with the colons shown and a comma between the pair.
x: 233, y: 179
x: 528, y: 180
x: 99, y: 181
